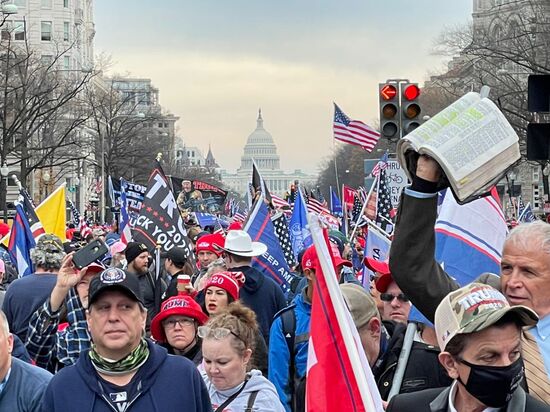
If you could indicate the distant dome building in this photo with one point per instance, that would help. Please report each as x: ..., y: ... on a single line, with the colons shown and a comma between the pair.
x: 261, y: 149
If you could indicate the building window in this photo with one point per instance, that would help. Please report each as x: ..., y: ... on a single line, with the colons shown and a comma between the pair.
x: 19, y: 30
x: 46, y: 30
x: 66, y: 29
x: 20, y: 3
x: 46, y: 59
x: 66, y: 3
x: 46, y: 4
x: 160, y: 125
x: 66, y: 63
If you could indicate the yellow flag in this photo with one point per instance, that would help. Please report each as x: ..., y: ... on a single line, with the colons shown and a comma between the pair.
x: 52, y: 213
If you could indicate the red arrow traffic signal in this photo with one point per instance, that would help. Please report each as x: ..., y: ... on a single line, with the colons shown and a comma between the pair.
x: 388, y: 92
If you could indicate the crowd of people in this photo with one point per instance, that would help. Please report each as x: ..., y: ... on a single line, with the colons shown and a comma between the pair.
x: 214, y: 333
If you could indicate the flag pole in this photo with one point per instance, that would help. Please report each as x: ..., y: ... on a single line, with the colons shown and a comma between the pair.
x: 363, y: 208
x: 345, y: 206
x: 329, y: 274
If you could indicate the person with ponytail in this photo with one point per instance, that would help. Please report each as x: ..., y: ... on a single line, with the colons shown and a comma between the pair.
x: 220, y: 291
x: 228, y: 342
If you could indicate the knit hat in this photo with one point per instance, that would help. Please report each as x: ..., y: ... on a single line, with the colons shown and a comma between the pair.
x: 182, y: 305
x: 133, y: 250
x: 209, y: 243
x: 473, y: 308
x: 360, y: 304
x: 231, y: 282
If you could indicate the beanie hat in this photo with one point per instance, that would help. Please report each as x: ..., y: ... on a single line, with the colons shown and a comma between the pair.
x: 209, y: 243
x: 231, y: 282
x: 182, y: 305
x: 133, y: 250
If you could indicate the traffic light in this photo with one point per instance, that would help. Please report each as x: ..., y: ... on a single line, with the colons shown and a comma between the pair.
x: 538, y: 100
x: 538, y: 92
x: 389, y: 110
x: 410, y: 92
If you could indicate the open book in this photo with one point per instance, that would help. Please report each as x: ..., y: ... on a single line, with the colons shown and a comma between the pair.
x: 471, y: 140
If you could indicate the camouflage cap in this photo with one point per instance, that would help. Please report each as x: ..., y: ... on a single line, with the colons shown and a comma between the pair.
x: 474, y: 308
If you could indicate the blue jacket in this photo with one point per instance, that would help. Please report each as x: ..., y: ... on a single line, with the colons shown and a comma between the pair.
x: 279, y: 355
x: 25, y: 387
x: 166, y: 383
x: 261, y: 294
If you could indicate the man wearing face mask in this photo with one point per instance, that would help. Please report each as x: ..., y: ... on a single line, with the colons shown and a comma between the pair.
x: 479, y: 334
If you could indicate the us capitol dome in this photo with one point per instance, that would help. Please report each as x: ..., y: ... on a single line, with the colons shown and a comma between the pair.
x: 261, y: 149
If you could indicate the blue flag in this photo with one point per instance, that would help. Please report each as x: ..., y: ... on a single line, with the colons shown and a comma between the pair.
x: 335, y: 204
x: 272, y: 263
x: 21, y: 242
x: 525, y: 213
x: 300, y: 236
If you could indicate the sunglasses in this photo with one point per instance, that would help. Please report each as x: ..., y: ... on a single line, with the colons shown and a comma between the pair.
x: 388, y: 297
x: 217, y: 333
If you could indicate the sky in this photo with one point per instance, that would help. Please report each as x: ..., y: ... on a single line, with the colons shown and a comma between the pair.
x: 216, y: 62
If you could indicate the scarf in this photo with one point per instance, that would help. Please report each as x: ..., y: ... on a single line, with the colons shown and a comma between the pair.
x: 127, y: 364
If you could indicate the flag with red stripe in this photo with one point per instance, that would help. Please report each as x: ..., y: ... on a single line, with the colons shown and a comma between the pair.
x: 353, y: 131
x: 339, y: 377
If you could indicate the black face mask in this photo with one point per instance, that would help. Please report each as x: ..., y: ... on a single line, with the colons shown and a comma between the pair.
x: 493, y: 385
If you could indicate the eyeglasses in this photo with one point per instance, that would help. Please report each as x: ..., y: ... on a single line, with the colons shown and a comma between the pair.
x: 389, y: 297
x: 171, y: 323
x: 217, y: 333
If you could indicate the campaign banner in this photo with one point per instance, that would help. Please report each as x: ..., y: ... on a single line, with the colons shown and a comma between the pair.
x: 160, y: 221
x: 198, y: 196
x: 272, y: 263
x: 134, y: 195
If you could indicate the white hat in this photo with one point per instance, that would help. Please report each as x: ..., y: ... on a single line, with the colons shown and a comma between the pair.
x: 238, y: 243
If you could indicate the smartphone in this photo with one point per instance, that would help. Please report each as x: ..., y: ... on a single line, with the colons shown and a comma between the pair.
x: 90, y: 253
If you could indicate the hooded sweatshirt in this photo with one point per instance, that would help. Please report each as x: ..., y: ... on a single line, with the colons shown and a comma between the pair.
x: 163, y: 383
x: 267, y: 399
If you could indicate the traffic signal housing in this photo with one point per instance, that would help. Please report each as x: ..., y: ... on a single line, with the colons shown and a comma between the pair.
x: 411, y: 111
x: 390, y: 122
x: 538, y: 93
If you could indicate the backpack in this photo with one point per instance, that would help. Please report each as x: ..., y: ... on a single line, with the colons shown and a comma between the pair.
x: 297, y: 385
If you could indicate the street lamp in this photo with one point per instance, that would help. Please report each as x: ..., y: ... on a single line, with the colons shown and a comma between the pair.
x: 108, y: 123
x: 7, y: 10
x: 5, y: 171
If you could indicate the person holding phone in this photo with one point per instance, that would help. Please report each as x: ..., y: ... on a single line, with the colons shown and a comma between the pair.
x: 49, y: 346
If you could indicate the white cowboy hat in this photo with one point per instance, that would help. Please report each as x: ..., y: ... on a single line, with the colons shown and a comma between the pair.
x: 238, y: 243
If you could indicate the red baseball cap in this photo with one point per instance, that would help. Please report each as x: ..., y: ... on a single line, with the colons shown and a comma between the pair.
x: 310, y: 261
x: 383, y: 268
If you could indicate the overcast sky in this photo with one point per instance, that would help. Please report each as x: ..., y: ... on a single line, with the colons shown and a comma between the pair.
x: 217, y: 62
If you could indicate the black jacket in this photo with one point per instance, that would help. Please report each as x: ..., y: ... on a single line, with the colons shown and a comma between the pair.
x: 437, y: 400
x: 423, y: 368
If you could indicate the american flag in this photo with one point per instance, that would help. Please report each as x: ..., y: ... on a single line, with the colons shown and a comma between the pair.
x: 281, y: 231
x: 75, y: 213
x: 384, y: 205
x: 381, y: 165
x: 28, y: 207
x: 83, y: 228
x: 279, y: 203
x: 240, y: 216
x: 314, y: 206
x: 353, y: 131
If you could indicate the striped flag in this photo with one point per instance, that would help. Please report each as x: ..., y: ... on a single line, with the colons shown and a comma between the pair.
x: 279, y: 203
x: 353, y: 131
x: 281, y: 231
x: 21, y: 242
x: 381, y: 165
x: 32, y: 218
x: 124, y: 227
x: 83, y: 228
x: 314, y: 206
x: 336, y: 359
x: 75, y: 213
